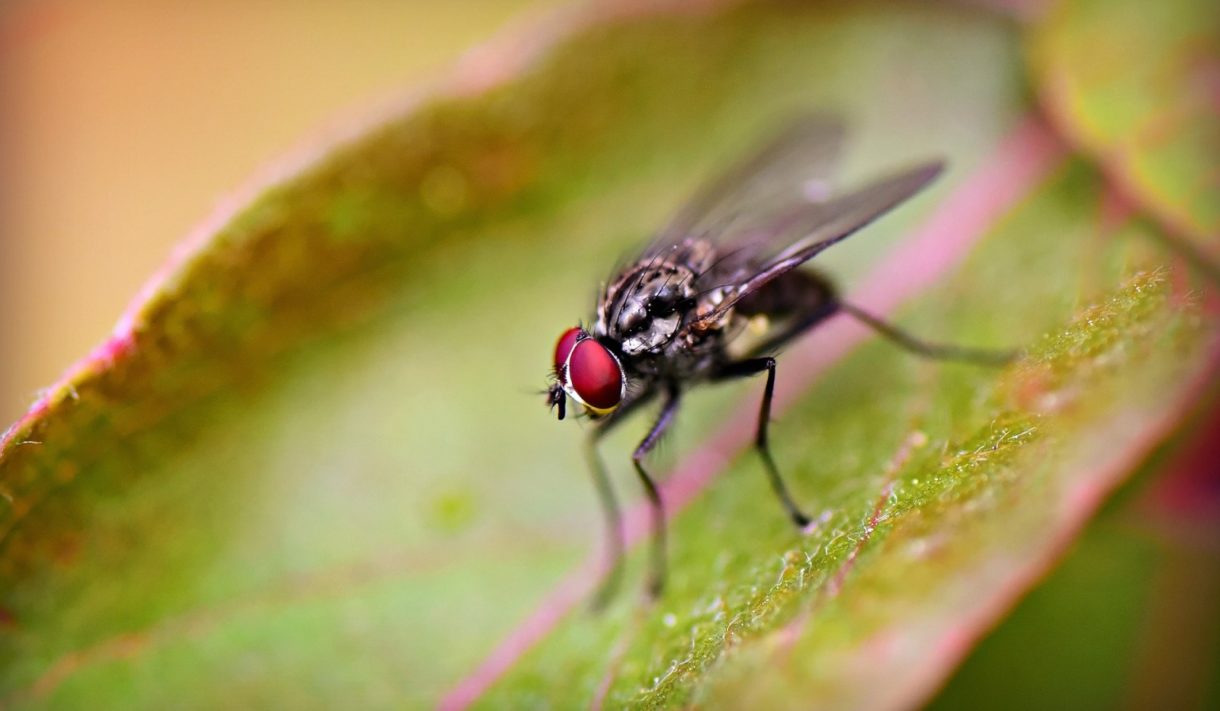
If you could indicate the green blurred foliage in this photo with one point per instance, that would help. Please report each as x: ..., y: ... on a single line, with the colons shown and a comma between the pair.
x: 317, y: 468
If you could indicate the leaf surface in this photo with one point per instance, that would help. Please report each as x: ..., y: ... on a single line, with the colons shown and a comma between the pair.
x: 312, y: 463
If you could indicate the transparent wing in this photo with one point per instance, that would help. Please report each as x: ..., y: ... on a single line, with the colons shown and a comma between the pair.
x: 790, y: 170
x: 735, y: 214
x: 771, y: 212
x: 815, y: 227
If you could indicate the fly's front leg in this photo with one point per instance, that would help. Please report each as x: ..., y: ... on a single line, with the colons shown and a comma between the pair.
x: 745, y: 368
x: 612, y: 574
x: 609, y: 502
x: 656, y: 570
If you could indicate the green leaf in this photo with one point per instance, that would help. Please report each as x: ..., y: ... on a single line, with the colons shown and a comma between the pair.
x: 945, y: 492
x: 310, y: 468
x: 1134, y: 85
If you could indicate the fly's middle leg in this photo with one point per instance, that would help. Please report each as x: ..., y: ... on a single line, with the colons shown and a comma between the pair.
x: 745, y: 368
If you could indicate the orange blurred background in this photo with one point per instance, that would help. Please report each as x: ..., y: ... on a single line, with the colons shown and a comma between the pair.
x: 123, y: 123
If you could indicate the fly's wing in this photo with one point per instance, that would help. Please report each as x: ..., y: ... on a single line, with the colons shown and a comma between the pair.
x: 818, y: 226
x: 773, y: 211
x: 792, y: 169
x: 735, y: 214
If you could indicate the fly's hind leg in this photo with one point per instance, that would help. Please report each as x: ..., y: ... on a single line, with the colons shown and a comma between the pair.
x: 802, y: 299
x: 927, y: 349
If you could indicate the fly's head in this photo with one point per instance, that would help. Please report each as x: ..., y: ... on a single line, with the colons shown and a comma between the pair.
x: 587, y: 372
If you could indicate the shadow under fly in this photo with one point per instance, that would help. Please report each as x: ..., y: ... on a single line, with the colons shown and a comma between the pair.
x: 675, y: 316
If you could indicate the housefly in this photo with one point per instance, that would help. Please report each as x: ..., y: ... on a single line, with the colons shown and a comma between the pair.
x: 677, y: 315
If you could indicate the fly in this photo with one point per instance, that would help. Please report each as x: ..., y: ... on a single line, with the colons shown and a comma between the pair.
x: 677, y: 315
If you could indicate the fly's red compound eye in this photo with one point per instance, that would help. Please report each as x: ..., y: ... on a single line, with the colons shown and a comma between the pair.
x: 563, y: 347
x: 595, y: 376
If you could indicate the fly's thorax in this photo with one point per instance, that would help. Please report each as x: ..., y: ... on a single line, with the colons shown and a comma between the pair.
x: 644, y: 308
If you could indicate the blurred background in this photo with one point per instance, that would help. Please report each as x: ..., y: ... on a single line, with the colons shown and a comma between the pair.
x: 125, y: 122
